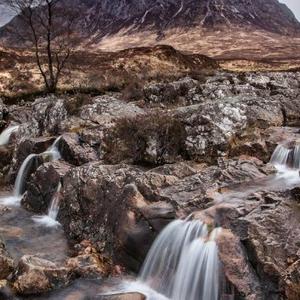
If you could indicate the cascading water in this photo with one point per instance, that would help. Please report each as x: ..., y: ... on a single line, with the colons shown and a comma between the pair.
x: 53, y: 151
x: 50, y: 219
x: 19, y: 187
x: 183, y: 262
x: 5, y: 135
x: 286, y: 157
x: 287, y: 162
x: 22, y: 175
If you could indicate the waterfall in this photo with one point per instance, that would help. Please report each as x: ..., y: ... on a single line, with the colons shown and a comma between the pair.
x: 183, y: 262
x: 280, y: 156
x: 54, y: 206
x: 49, y: 220
x: 22, y: 175
x: 197, y: 277
x: 286, y: 157
x: 5, y: 135
x: 53, y: 151
x: 19, y: 187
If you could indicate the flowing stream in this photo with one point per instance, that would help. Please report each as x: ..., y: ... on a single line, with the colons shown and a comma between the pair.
x: 183, y: 262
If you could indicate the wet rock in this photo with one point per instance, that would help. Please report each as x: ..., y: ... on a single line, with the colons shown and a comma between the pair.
x: 42, y: 185
x: 128, y: 296
x: 74, y: 151
x: 267, y: 224
x: 292, y: 281
x: 23, y: 150
x: 236, y: 268
x: 6, y: 262
x: 146, y: 200
x: 89, y: 265
x: 90, y: 196
x: 6, y: 155
x: 35, y: 276
x: 5, y: 291
x: 3, y: 114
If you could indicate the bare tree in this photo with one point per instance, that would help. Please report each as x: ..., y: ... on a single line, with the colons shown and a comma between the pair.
x: 47, y: 26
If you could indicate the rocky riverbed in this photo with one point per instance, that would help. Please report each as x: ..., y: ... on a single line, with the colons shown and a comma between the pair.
x: 129, y: 168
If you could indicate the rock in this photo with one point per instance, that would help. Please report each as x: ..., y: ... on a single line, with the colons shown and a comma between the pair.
x: 35, y: 276
x: 6, y: 155
x: 47, y: 116
x: 6, y: 262
x: 292, y: 281
x: 236, y: 268
x: 146, y: 201
x: 106, y: 109
x: 88, y: 265
x: 42, y: 185
x: 74, y: 151
x: 5, y: 292
x: 128, y: 296
x: 26, y: 147
x: 91, y: 194
x: 291, y: 109
x: 267, y: 224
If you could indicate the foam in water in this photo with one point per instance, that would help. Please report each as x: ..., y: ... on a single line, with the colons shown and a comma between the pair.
x: 50, y: 219
x: 22, y: 175
x: 286, y: 157
x: 183, y: 262
x: 5, y: 135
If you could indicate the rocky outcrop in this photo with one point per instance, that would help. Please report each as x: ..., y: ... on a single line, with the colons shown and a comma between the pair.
x: 146, y: 200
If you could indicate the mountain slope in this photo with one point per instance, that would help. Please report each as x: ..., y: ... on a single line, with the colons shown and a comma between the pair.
x: 109, y: 16
x: 203, y: 26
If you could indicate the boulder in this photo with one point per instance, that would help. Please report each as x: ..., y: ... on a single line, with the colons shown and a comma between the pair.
x: 106, y: 109
x: 236, y: 269
x: 75, y: 151
x: 88, y: 265
x: 127, y: 296
x: 35, y: 276
x: 42, y: 185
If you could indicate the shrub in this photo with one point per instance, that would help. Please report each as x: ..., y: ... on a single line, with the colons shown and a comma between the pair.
x: 148, y: 140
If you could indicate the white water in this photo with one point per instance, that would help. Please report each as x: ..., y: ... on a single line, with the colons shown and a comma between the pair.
x: 5, y: 135
x: 50, y: 219
x: 14, y: 200
x: 286, y: 157
x: 183, y: 263
x: 53, y: 151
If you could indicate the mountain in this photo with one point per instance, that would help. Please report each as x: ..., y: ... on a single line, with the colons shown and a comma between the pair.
x: 5, y: 15
x: 212, y: 27
x: 110, y: 16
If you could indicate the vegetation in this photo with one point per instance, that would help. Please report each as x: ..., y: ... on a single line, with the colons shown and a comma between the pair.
x: 47, y: 27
